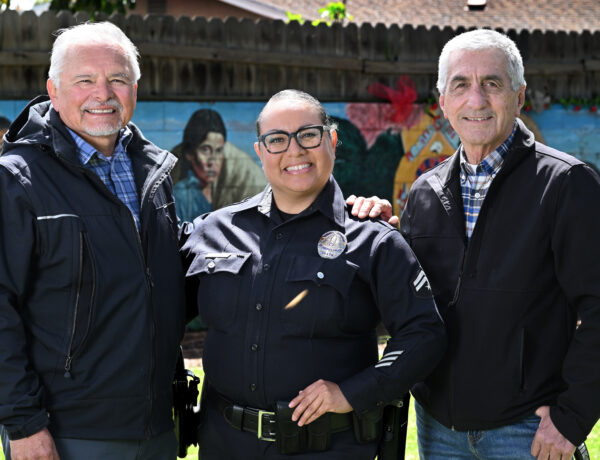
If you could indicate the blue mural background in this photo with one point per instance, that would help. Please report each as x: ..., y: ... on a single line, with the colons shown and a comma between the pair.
x: 575, y: 132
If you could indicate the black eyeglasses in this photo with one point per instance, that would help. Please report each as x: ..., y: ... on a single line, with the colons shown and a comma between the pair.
x: 308, y: 137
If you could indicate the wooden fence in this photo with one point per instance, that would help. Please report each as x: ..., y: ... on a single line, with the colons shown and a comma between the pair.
x: 199, y: 59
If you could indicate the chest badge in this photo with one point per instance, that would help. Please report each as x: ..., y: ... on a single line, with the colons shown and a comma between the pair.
x: 331, y: 244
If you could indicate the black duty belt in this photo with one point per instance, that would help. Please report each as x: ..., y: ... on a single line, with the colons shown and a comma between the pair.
x: 262, y: 422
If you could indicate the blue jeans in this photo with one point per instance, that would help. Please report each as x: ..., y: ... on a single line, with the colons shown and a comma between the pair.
x: 508, y: 442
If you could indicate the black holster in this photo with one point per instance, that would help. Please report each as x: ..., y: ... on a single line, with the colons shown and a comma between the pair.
x: 368, y: 425
x: 293, y: 439
x: 186, y: 406
x: 395, y: 422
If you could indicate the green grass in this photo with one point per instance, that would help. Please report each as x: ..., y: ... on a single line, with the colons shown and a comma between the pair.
x: 593, y: 441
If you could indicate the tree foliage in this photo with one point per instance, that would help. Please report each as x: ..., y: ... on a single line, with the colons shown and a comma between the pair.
x: 332, y: 12
x: 92, y: 6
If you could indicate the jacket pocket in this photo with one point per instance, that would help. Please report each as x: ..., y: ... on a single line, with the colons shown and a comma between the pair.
x: 316, y: 295
x: 82, y: 313
x: 220, y: 280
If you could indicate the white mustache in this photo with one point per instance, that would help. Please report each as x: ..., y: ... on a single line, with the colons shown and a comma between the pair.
x: 97, y: 105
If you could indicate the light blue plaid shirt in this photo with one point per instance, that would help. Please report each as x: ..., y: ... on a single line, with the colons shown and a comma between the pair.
x: 115, y: 171
x: 475, y: 180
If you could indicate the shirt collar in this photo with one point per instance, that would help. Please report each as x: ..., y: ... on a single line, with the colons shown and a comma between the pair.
x: 492, y: 163
x: 330, y: 203
x: 85, y: 151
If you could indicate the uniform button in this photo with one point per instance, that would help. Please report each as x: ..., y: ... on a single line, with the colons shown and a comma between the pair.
x: 254, y: 347
x: 211, y: 265
x: 266, y: 267
x: 279, y: 236
x: 252, y: 387
x: 259, y: 306
x: 320, y: 275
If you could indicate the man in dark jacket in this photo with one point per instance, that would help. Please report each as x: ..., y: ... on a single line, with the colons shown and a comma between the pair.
x: 507, y: 232
x: 91, y: 285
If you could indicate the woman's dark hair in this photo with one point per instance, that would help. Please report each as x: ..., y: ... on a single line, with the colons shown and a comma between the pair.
x: 201, y: 123
x: 295, y: 95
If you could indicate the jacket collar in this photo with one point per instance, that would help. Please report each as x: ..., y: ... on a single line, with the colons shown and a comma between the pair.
x: 522, y: 144
x: 445, y: 180
x: 40, y: 125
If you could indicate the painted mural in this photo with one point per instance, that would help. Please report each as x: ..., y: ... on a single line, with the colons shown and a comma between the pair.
x: 383, y: 147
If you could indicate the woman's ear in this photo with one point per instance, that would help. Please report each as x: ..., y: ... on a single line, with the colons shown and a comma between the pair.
x: 334, y: 138
x: 257, y: 150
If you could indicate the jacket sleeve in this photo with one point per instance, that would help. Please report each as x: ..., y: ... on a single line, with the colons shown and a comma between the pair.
x: 576, y: 247
x: 21, y: 392
x: 408, y: 312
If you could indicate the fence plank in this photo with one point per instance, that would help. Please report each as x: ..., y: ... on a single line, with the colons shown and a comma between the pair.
x: 200, y: 59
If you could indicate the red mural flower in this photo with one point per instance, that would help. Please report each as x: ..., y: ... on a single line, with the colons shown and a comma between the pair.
x: 402, y: 99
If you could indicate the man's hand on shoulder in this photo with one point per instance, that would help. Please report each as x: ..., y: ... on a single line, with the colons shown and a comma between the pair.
x: 548, y: 443
x: 38, y: 446
x: 372, y: 207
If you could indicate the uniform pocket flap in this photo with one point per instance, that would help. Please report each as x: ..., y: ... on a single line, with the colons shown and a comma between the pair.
x: 337, y: 273
x: 222, y: 262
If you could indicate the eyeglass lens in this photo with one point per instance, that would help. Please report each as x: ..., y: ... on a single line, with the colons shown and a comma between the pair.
x: 307, y: 138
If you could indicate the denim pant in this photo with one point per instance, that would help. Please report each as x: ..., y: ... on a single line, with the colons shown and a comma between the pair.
x: 508, y: 442
x: 162, y: 447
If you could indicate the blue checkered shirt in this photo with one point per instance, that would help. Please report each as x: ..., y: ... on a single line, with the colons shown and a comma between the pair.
x: 475, y: 181
x: 115, y: 171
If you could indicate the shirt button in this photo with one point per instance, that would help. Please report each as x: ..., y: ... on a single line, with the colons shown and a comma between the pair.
x: 320, y: 275
x: 252, y: 387
x: 477, y: 195
x: 254, y: 347
x: 266, y: 267
x: 259, y: 306
x: 211, y: 265
x: 279, y: 236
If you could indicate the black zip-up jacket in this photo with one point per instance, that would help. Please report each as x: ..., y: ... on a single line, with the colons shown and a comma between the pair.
x: 511, y: 297
x: 91, y: 311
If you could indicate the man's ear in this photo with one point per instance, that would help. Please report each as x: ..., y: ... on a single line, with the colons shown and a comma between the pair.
x: 53, y: 93
x: 442, y: 105
x: 520, y: 100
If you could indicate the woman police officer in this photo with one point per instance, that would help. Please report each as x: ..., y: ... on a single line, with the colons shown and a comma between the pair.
x: 292, y: 287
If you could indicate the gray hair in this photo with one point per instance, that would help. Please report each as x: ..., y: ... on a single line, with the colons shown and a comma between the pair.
x: 294, y: 95
x: 482, y: 39
x: 104, y: 33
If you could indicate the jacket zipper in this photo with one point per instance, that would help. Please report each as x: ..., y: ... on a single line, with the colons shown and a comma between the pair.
x: 149, y: 286
x: 70, y: 353
x: 453, y: 304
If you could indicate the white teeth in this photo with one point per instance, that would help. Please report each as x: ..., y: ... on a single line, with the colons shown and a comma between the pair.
x: 298, y: 167
x: 477, y: 118
x: 100, y: 110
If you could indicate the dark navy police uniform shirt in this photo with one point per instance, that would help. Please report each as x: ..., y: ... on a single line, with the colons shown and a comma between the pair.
x: 280, y: 316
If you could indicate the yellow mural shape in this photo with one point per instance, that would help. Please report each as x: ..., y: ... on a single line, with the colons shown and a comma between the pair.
x: 426, y: 144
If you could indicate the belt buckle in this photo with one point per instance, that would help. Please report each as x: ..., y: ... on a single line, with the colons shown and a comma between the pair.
x: 259, y: 432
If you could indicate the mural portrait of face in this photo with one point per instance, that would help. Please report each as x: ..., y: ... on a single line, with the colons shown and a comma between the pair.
x: 207, y: 158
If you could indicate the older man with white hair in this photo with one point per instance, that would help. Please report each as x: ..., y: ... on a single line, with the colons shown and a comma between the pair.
x: 91, y: 286
x: 507, y: 232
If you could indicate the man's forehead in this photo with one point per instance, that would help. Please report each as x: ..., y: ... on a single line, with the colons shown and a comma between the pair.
x: 488, y: 61
x: 93, y: 53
